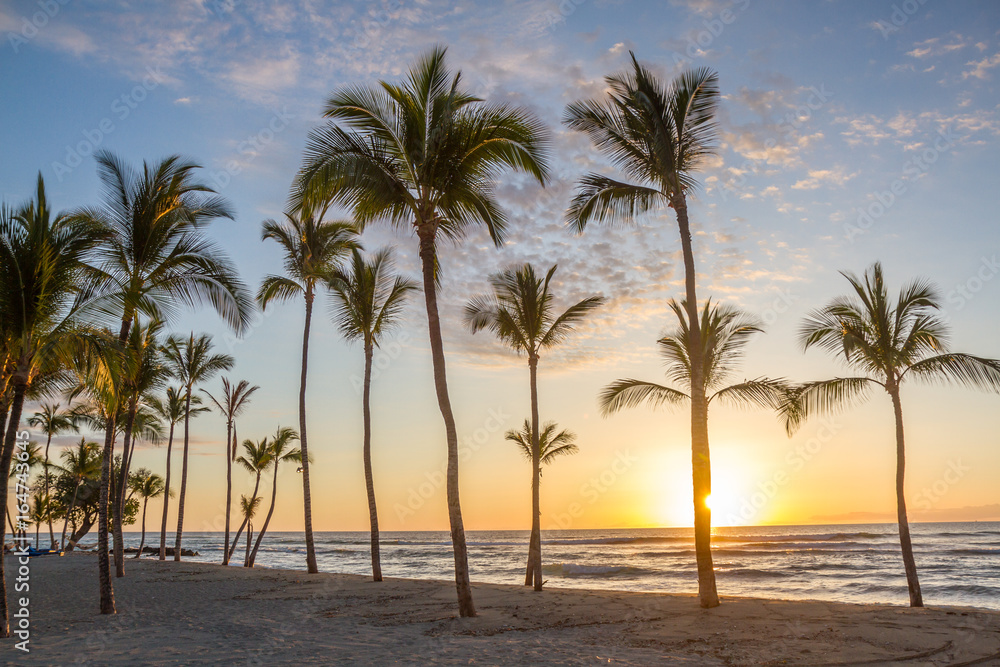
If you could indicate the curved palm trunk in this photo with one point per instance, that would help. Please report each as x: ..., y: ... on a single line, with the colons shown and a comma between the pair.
x: 72, y: 504
x: 535, y: 548
x: 142, y: 542
x: 701, y: 466
x: 909, y: 564
x: 184, y: 474
x: 306, y: 494
x: 9, y: 442
x: 369, y: 479
x: 263, y: 529
x: 466, y: 607
x: 120, y: 492
x: 166, y: 497
x: 229, y: 490
x: 236, y: 540
x: 52, y: 535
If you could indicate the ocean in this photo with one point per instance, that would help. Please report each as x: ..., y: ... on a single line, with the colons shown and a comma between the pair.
x: 958, y: 563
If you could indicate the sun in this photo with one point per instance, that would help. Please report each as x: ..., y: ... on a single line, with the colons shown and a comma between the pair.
x: 711, y: 503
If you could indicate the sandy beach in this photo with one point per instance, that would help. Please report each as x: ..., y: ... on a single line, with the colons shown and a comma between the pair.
x: 192, y: 613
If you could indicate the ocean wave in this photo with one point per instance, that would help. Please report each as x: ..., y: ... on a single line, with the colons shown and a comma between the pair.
x: 574, y: 570
x: 974, y: 552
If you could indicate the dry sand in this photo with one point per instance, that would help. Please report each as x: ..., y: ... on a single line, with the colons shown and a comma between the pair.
x: 191, y: 613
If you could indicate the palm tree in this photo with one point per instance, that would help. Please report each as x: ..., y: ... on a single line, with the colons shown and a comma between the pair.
x: 248, y: 506
x: 192, y: 362
x: 147, y: 485
x: 659, y: 136
x: 41, y: 260
x: 28, y: 459
x: 368, y: 300
x: 42, y: 508
x: 51, y: 421
x: 255, y: 460
x: 233, y: 401
x: 519, y: 312
x: 551, y: 444
x: 725, y: 332
x: 81, y: 463
x: 426, y: 154
x: 312, y: 250
x: 887, y: 343
x: 172, y: 409
x: 156, y: 258
x: 280, y: 451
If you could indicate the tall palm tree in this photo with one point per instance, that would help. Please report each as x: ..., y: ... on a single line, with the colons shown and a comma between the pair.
x: 143, y: 372
x: 41, y: 511
x: 147, y: 485
x: 41, y: 260
x: 156, y: 258
x: 725, y: 332
x: 368, y: 300
x: 312, y: 251
x: 255, y: 460
x: 172, y: 409
x: 658, y: 136
x: 82, y: 462
x: 520, y: 312
x: 192, y: 362
x: 281, y: 450
x: 51, y: 420
x: 248, y: 507
x: 887, y: 342
x: 425, y: 154
x: 233, y: 401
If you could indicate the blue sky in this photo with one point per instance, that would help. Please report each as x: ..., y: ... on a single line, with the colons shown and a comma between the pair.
x: 849, y: 132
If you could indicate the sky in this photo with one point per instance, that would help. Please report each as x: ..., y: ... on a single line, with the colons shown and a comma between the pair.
x: 849, y: 132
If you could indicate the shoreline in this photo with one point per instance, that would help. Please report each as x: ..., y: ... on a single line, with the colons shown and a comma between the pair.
x: 172, y: 613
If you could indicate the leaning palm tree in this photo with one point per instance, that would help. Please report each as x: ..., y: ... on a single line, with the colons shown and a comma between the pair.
x: 423, y: 154
x: 81, y: 463
x: 157, y: 257
x: 312, y: 251
x: 233, y: 401
x: 658, y: 136
x: 248, y: 507
x: 725, y: 332
x: 255, y: 460
x: 51, y: 420
x: 192, y: 362
x: 368, y: 300
x: 172, y: 409
x: 887, y: 343
x: 146, y: 485
x: 281, y: 450
x: 520, y: 312
x: 41, y: 261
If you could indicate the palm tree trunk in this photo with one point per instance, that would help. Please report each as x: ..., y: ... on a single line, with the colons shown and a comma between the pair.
x: 52, y: 535
x: 184, y: 474
x: 229, y: 489
x: 466, y: 607
x: 369, y: 479
x: 72, y: 504
x: 236, y: 540
x: 260, y: 534
x: 909, y: 564
x: 306, y: 494
x: 142, y: 541
x: 535, y: 555
x: 9, y: 442
x: 701, y: 466
x: 246, y: 558
x: 120, y: 491
x: 38, y: 525
x: 166, y: 497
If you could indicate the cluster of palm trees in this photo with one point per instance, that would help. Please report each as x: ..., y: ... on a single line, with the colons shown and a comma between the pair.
x: 86, y: 296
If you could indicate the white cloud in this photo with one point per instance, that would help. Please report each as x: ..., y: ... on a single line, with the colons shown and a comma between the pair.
x: 981, y: 69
